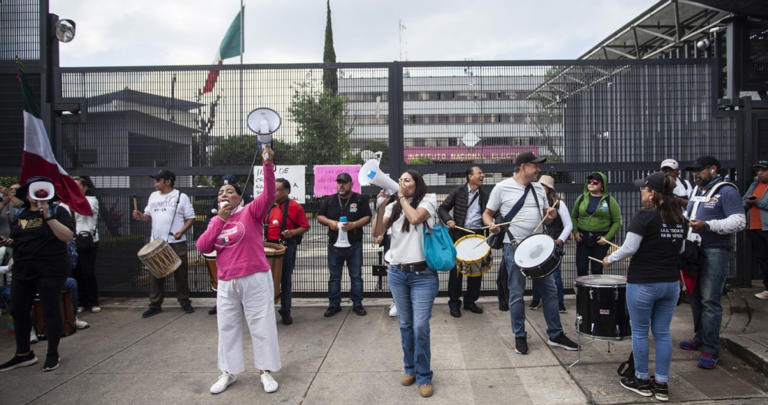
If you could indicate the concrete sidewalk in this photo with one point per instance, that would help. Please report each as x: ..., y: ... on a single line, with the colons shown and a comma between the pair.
x: 348, y: 359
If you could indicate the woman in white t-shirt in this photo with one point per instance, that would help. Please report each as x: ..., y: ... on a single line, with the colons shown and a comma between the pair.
x: 85, y: 272
x: 413, y: 285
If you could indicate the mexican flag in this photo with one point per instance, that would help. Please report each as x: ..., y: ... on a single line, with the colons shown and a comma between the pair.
x: 230, y: 47
x: 38, y: 159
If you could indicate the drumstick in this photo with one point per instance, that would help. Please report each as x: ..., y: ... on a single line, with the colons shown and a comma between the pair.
x: 464, y: 229
x: 611, y: 243
x: 543, y: 219
x: 595, y: 259
x: 504, y: 223
x: 135, y: 204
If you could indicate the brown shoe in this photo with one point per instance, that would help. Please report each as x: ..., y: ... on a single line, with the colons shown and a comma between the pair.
x: 407, y: 379
x: 425, y: 390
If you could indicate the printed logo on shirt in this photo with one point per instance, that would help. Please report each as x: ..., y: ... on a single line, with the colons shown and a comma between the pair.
x: 677, y: 232
x: 604, y: 206
x: 353, y: 207
x: 230, y: 235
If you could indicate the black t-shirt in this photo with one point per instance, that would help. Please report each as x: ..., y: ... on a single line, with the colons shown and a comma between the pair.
x: 36, y: 250
x: 656, y: 259
x: 354, y: 208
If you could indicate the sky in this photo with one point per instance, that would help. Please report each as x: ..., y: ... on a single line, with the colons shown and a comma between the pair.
x: 188, y: 32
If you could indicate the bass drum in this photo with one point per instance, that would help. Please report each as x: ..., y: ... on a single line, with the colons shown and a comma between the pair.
x: 601, y: 307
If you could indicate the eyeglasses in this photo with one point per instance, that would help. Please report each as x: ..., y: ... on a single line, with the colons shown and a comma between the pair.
x: 594, y: 182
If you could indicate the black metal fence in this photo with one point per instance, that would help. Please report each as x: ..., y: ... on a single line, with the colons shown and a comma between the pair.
x: 622, y: 118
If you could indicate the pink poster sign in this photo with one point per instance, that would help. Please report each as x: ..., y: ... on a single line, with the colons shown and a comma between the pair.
x: 465, y: 153
x: 325, y: 178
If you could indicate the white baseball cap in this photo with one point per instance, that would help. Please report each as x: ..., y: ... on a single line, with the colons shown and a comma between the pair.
x: 670, y: 163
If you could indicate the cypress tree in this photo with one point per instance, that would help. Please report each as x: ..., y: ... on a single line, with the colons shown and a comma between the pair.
x: 330, y: 81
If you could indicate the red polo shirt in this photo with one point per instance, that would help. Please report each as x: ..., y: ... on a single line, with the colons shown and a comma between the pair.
x: 296, y: 219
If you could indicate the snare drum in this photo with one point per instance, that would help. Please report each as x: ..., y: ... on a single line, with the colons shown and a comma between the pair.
x: 473, y: 255
x: 159, y: 258
x: 601, y: 306
x: 210, y: 263
x: 537, y: 256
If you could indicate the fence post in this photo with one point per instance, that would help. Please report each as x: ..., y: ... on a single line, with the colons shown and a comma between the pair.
x: 395, y: 118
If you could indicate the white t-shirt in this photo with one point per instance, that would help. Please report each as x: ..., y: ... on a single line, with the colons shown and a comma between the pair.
x: 408, y: 247
x: 89, y: 223
x: 161, y: 207
x: 681, y: 190
x: 504, y: 196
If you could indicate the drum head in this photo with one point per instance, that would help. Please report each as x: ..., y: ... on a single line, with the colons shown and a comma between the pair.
x: 534, y: 250
x: 467, y: 249
x: 601, y: 280
x: 151, y: 247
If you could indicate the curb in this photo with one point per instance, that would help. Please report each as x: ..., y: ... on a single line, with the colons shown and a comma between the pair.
x: 744, y: 348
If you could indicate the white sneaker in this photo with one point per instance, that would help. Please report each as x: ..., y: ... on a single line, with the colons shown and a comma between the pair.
x: 81, y: 324
x: 392, y: 310
x: 96, y: 309
x: 762, y: 295
x: 268, y: 382
x: 33, y: 336
x: 224, y: 381
x: 80, y: 309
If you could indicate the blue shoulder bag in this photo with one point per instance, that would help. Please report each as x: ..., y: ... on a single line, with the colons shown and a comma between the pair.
x: 438, y: 247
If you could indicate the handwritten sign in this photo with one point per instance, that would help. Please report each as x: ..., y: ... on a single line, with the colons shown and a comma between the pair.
x: 325, y: 178
x: 294, y: 174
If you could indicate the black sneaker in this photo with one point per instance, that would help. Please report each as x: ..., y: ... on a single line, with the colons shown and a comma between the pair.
x: 661, y: 391
x: 188, y: 308
x: 562, y: 308
x: 19, y: 361
x: 641, y: 387
x: 521, y: 345
x: 331, y: 311
x: 359, y: 310
x: 52, y: 362
x: 535, y: 304
x: 151, y: 312
x: 562, y: 341
x: 285, y: 317
x: 212, y: 311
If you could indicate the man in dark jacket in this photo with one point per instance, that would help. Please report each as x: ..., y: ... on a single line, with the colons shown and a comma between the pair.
x: 468, y: 203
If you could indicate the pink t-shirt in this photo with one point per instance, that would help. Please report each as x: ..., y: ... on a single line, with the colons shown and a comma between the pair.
x: 239, y: 241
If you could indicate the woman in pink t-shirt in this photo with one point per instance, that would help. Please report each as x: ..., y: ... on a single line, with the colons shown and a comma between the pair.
x: 245, y: 288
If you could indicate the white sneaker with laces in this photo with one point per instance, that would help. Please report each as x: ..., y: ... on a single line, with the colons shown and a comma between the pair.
x: 81, y: 324
x: 33, y: 336
x: 268, y: 382
x: 392, y: 310
x: 762, y: 295
x: 224, y: 381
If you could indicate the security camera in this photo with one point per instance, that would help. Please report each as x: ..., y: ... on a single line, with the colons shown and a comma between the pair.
x: 703, y: 44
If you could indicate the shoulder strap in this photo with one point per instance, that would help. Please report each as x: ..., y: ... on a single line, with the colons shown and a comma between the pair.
x: 477, y: 194
x: 519, y: 204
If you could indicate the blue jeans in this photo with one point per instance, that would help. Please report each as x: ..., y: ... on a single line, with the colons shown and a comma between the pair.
x: 557, y: 274
x: 71, y: 284
x: 652, y: 305
x: 705, y: 305
x: 414, y: 295
x: 546, y: 287
x: 289, y: 262
x: 353, y: 255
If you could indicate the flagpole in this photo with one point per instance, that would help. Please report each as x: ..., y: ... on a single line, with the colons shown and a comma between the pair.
x: 242, y: 48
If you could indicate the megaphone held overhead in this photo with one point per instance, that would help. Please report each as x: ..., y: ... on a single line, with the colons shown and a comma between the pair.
x: 264, y: 122
x: 370, y: 173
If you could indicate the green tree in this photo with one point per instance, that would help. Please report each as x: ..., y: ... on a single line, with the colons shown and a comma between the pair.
x: 323, y: 137
x: 330, y: 80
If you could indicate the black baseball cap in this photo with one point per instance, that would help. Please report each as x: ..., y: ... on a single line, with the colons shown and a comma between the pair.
x: 528, y: 157
x: 761, y: 164
x: 702, y: 162
x: 165, y: 175
x: 343, y: 178
x: 654, y: 181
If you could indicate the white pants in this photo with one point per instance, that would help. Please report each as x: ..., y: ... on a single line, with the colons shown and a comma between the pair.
x: 253, y: 297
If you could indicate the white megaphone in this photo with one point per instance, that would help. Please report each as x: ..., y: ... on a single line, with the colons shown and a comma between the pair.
x: 264, y: 122
x: 371, y: 174
x: 342, y: 241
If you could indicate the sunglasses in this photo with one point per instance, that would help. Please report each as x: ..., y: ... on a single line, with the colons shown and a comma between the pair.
x: 594, y: 182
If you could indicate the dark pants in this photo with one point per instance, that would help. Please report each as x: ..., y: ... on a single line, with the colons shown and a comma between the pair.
x: 353, y: 256
x: 85, y: 274
x: 22, y: 294
x: 289, y: 262
x: 759, y: 241
x: 455, y: 281
x: 181, y: 275
x: 502, y: 284
x: 589, y: 247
